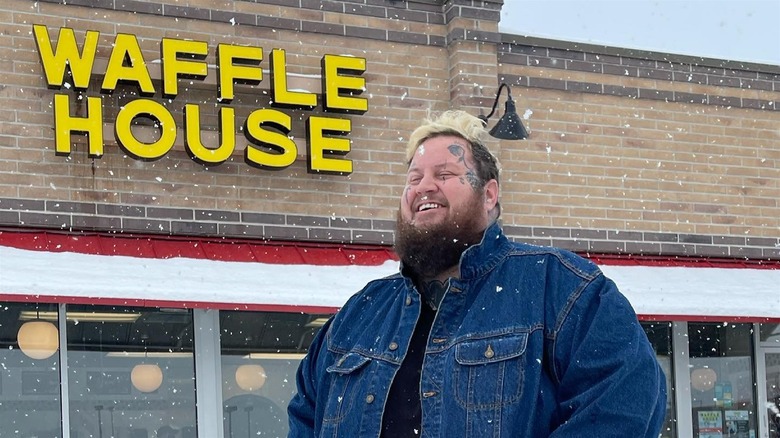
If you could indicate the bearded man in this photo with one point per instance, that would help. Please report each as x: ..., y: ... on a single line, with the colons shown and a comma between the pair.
x: 477, y: 336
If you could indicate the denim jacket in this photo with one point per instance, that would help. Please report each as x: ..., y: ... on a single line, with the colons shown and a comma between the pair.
x: 529, y: 342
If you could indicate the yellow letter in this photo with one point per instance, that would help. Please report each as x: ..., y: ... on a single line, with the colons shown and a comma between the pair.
x: 65, y: 125
x: 151, y: 110
x: 281, y: 95
x: 227, y: 135
x: 67, y: 55
x: 127, y: 50
x: 248, y: 72
x: 333, y: 84
x: 173, y: 67
x: 316, y: 127
x: 285, y: 149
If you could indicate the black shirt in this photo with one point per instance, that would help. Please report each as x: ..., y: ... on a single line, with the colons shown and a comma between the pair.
x: 403, y: 410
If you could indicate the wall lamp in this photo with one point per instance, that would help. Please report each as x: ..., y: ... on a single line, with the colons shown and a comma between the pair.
x: 509, y: 126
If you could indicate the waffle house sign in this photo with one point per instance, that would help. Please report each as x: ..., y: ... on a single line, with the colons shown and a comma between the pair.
x: 265, y: 130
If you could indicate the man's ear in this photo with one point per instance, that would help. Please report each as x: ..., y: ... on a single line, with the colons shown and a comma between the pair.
x: 491, y: 194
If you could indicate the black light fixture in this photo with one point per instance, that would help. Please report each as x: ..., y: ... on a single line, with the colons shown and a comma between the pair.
x: 509, y: 126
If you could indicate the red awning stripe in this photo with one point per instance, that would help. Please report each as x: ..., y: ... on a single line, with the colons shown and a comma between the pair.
x: 289, y: 253
x: 710, y: 318
x: 681, y: 261
x: 164, y: 247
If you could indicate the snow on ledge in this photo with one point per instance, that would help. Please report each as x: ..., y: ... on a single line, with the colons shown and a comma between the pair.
x: 669, y: 291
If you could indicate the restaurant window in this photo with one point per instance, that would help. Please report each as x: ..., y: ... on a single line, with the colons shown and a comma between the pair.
x: 660, y: 336
x: 130, y: 372
x: 770, y: 334
x: 260, y: 355
x: 722, y: 381
x: 29, y: 370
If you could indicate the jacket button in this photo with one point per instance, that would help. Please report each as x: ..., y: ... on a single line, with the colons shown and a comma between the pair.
x: 408, y: 300
x: 393, y: 346
x: 427, y: 394
x: 489, y: 352
x: 370, y: 398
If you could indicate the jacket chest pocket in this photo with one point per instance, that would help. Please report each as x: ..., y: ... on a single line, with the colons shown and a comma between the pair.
x: 489, y: 372
x: 345, y: 385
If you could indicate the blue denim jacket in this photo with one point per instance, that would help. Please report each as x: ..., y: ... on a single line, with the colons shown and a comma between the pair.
x: 529, y: 342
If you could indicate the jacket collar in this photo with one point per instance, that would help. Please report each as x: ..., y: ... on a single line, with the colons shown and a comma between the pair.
x: 477, y: 260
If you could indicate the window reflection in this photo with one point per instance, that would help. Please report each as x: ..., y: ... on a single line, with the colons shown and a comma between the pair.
x: 29, y: 379
x: 131, y: 372
x: 660, y: 336
x: 721, y: 359
x: 772, y: 366
x: 770, y: 333
x: 260, y: 355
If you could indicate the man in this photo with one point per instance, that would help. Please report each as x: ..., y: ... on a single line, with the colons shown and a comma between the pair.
x: 477, y: 336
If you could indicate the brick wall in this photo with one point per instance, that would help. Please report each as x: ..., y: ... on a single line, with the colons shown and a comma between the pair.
x: 671, y: 153
x: 629, y: 152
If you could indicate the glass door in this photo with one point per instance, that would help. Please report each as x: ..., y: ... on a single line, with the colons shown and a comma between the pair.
x: 772, y: 367
x: 723, y: 396
x: 770, y: 345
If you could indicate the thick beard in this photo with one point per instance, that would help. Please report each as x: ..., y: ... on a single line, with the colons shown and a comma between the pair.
x: 427, y: 252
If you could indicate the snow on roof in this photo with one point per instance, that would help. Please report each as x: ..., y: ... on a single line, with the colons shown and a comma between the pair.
x: 694, y: 291
x: 666, y: 291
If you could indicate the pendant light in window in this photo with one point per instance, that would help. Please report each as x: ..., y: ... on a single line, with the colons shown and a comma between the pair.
x: 38, y: 339
x: 703, y: 379
x: 250, y: 377
x: 146, y: 377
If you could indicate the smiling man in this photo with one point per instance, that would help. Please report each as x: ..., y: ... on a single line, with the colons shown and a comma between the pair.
x: 445, y: 207
x: 477, y: 336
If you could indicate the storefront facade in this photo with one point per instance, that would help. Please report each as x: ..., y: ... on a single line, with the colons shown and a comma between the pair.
x: 179, y: 180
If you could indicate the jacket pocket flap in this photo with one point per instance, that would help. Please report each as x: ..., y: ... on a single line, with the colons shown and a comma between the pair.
x: 498, y: 348
x: 348, y: 363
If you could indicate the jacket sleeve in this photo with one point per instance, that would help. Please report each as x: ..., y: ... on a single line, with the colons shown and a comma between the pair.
x: 302, y: 410
x: 610, y: 382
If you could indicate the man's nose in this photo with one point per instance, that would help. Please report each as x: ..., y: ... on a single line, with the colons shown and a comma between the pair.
x: 427, y: 184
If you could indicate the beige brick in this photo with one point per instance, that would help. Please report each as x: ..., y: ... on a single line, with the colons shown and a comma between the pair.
x: 6, y: 15
x: 21, y: 180
x: 8, y: 190
x: 593, y: 161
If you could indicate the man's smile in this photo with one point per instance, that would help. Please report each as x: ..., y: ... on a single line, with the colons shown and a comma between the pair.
x: 428, y: 206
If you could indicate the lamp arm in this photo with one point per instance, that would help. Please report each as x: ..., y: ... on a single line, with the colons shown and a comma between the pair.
x: 495, y: 102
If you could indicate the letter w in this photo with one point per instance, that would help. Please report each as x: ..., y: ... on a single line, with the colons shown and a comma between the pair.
x: 66, y: 55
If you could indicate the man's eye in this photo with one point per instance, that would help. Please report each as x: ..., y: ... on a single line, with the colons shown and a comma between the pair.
x: 446, y: 175
x: 414, y: 180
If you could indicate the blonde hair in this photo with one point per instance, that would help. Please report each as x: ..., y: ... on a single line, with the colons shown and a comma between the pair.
x: 452, y: 122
